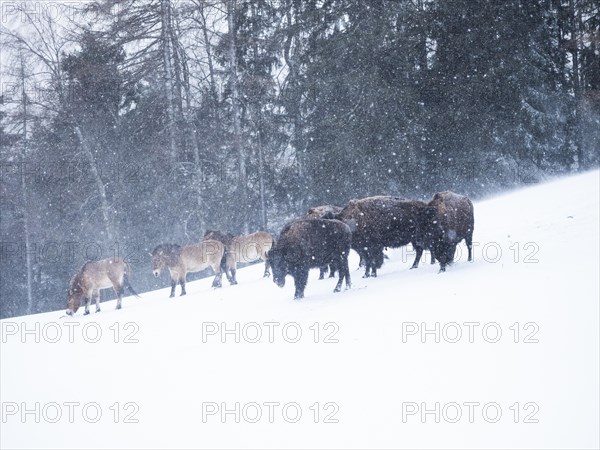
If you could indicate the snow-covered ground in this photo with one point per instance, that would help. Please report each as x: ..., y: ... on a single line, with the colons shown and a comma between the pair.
x: 535, y: 279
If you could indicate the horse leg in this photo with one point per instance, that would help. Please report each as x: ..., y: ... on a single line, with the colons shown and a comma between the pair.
x: 182, y: 284
x: 88, y: 301
x: 120, y: 291
x: 217, y: 280
x: 419, y: 251
x: 97, y: 295
x: 231, y: 268
x: 174, y: 278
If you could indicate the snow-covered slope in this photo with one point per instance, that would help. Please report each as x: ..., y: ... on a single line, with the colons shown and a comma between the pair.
x: 536, y: 270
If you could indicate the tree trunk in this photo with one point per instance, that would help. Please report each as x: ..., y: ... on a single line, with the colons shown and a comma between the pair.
x: 167, y: 50
x: 104, y: 206
x: 191, y: 129
x: 261, y: 180
x: 236, y: 110
x: 209, y: 57
x: 25, y: 193
x: 294, y: 106
x: 574, y: 133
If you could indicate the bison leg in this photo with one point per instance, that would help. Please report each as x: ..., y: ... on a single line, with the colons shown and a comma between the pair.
x: 469, y: 241
x: 419, y: 251
x: 338, y: 286
x: 367, y: 263
x: 344, y: 272
x: 451, y: 253
x: 374, y: 260
x: 365, y: 260
x: 300, y: 280
x: 332, y: 269
x: 345, y: 268
x: 432, y: 257
x: 322, y: 272
x: 267, y: 273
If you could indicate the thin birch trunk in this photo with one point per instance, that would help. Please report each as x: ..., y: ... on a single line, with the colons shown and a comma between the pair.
x: 167, y: 61
x: 104, y: 206
x: 237, y: 127
x: 25, y: 194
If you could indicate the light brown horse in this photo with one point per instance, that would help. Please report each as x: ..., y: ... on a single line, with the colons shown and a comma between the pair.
x: 244, y: 249
x: 190, y: 258
x: 96, y: 275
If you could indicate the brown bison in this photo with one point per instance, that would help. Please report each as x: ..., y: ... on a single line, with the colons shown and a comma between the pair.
x: 324, y: 212
x: 379, y: 222
x: 445, y: 221
x: 304, y: 244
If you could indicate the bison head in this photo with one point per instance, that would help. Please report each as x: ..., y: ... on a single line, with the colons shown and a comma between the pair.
x: 278, y: 267
x: 428, y: 228
x: 349, y: 215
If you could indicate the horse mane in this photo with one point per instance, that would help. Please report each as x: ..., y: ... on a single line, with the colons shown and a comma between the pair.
x: 168, y: 250
x: 219, y: 236
x: 74, y: 286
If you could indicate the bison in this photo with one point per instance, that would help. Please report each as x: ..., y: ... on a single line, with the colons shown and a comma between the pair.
x: 445, y: 221
x: 307, y: 243
x: 324, y: 212
x: 379, y: 222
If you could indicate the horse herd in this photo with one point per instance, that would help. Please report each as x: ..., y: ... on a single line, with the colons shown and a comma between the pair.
x: 320, y: 239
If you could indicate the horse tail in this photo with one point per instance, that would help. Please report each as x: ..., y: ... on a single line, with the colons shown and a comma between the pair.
x: 126, y: 282
x: 224, y: 262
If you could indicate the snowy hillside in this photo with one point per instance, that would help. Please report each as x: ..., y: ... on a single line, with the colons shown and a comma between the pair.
x: 369, y: 376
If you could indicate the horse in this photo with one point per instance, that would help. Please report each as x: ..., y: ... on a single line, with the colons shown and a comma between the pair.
x: 96, y: 275
x: 189, y: 258
x: 244, y: 249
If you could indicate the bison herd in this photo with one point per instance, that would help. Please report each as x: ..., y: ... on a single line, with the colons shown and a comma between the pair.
x: 323, y: 237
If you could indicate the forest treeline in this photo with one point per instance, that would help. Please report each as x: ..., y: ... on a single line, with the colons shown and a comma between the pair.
x: 128, y: 123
